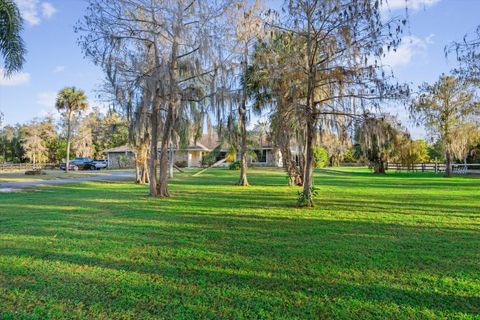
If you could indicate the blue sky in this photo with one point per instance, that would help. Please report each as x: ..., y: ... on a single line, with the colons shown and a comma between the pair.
x: 54, y: 60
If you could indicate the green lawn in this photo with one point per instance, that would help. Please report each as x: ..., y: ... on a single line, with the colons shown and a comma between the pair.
x: 403, y: 246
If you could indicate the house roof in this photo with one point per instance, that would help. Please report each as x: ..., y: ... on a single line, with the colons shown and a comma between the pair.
x: 197, y: 147
x: 207, y: 142
x: 204, y: 144
x: 124, y: 148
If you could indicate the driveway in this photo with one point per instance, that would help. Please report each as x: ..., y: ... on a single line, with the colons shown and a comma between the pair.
x: 110, y: 175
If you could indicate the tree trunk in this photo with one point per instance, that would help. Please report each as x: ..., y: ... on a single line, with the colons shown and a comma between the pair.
x: 308, y: 178
x: 448, y: 167
x: 378, y: 166
x: 141, y: 160
x: 243, y: 153
x: 145, y: 178
x: 242, y: 112
x: 69, y: 127
x: 307, y: 200
x: 162, y: 185
x: 138, y: 169
x: 152, y: 165
x: 171, y: 161
x: 294, y: 174
x: 243, y: 169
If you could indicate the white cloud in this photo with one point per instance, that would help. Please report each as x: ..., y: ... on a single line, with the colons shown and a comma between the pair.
x: 15, y: 79
x: 47, y: 99
x: 58, y: 69
x: 48, y: 10
x: 410, y: 4
x: 410, y: 47
x: 33, y: 10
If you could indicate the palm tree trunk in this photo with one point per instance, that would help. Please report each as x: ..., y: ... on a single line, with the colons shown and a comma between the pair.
x: 69, y: 127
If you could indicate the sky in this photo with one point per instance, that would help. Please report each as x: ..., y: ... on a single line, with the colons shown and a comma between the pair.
x: 54, y: 59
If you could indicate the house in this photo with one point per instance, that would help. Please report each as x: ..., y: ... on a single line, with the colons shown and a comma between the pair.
x: 192, y: 155
x: 120, y: 157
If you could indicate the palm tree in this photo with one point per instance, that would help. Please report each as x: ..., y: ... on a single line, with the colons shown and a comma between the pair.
x: 70, y: 101
x: 12, y: 48
x: 274, y: 85
x: 261, y: 129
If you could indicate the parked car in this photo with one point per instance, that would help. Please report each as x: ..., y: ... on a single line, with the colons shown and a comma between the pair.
x: 100, y: 164
x: 76, y: 164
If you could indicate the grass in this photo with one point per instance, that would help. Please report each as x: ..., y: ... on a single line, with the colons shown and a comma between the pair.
x: 20, y: 176
x: 402, y: 246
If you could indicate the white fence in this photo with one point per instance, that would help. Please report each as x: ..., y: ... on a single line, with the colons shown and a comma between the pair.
x: 466, y: 168
x: 436, y: 167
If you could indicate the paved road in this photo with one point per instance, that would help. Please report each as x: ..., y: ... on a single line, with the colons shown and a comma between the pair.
x: 111, y: 175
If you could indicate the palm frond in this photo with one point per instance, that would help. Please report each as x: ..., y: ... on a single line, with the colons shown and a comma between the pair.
x: 12, y: 47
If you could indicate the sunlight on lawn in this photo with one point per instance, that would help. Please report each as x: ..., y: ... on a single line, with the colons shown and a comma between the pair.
x: 402, y: 246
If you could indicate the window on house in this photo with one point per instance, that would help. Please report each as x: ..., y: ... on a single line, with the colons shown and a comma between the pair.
x: 261, y: 155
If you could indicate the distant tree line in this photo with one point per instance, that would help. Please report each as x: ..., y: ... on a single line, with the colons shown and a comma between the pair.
x: 43, y: 140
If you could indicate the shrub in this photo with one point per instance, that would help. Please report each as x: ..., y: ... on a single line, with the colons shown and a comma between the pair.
x: 234, y: 165
x: 35, y: 172
x: 302, y: 200
x: 349, y: 156
x: 209, y: 159
x: 320, y: 157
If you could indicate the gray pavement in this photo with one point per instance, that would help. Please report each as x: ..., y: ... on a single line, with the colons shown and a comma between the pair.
x: 106, y: 175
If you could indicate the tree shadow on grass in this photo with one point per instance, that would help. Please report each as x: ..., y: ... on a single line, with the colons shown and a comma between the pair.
x: 221, y: 254
x: 203, y: 281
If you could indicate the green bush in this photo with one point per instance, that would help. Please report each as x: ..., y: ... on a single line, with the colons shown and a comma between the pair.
x: 234, y: 165
x: 320, y: 157
x: 209, y: 159
x: 350, y: 156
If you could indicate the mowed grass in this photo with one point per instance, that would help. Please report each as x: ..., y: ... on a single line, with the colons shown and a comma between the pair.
x: 401, y: 246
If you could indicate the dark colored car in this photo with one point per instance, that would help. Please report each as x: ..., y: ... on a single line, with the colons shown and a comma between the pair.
x: 79, y: 164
